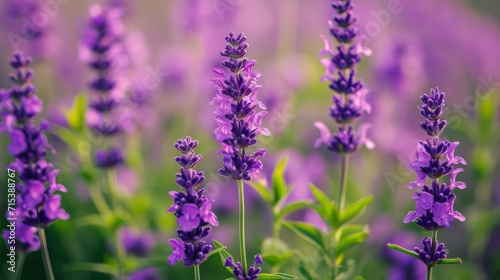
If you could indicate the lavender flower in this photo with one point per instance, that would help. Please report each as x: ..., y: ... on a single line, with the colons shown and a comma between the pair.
x: 431, y: 253
x: 148, y: 273
x: 240, y: 274
x: 136, y: 243
x: 237, y: 119
x: 349, y: 103
x: 26, y: 32
x: 434, y: 202
x: 102, y: 50
x: 36, y: 204
x: 192, y: 208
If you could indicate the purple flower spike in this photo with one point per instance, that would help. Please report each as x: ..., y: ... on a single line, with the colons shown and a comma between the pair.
x: 136, y: 243
x: 349, y: 102
x: 237, y: 118
x: 37, y: 206
x: 192, y: 208
x: 253, y: 271
x: 431, y: 253
x: 101, y: 48
x: 435, y: 159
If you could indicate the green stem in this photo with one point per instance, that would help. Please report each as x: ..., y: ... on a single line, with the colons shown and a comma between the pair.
x: 45, y: 255
x: 243, y: 252
x: 433, y: 247
x: 344, y: 164
x: 98, y: 200
x: 120, y: 256
x: 197, y: 275
x: 20, y: 263
x: 113, y: 190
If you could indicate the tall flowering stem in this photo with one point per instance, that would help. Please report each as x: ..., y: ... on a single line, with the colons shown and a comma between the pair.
x: 37, y: 207
x: 238, y: 123
x: 349, y: 93
x: 192, y: 209
x: 434, y: 159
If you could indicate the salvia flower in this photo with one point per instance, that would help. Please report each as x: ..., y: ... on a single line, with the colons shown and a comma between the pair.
x: 36, y: 204
x: 349, y: 102
x: 434, y: 159
x: 252, y: 273
x: 102, y: 49
x: 192, y: 209
x: 238, y: 119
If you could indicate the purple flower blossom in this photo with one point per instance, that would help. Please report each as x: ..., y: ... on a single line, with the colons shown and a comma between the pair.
x: 434, y: 203
x: 431, y: 253
x: 252, y: 273
x: 349, y: 103
x: 36, y: 204
x: 434, y: 207
x: 136, y: 243
x: 102, y: 49
x: 192, y: 208
x: 148, y: 273
x: 26, y: 238
x: 238, y: 121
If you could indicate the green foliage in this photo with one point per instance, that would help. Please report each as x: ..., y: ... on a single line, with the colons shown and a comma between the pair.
x: 276, y: 276
x: 275, y: 252
x: 307, y: 232
x: 75, y: 116
x: 221, y: 249
x: 355, y: 209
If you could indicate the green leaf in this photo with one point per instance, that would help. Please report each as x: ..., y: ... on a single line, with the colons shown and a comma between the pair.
x: 278, y: 182
x: 215, y: 251
x: 273, y: 245
x: 325, y: 206
x: 348, y: 241
x: 276, y: 276
x: 274, y: 259
x: 355, y: 209
x: 76, y: 114
x: 307, y: 232
x: 223, y: 254
x: 262, y: 191
x: 403, y: 250
x: 292, y: 207
x: 450, y: 261
x: 95, y: 267
x: 304, y: 269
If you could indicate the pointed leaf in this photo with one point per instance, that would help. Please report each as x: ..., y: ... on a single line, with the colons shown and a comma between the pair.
x: 355, y: 209
x: 324, y: 206
x: 276, y: 276
x: 450, y: 261
x: 95, y: 267
x: 76, y: 114
x: 307, y: 232
x: 274, y: 259
x: 262, y: 191
x: 403, y: 250
x: 348, y: 241
x: 278, y: 182
x: 292, y: 207
x: 304, y: 270
x: 223, y: 255
x: 215, y: 251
